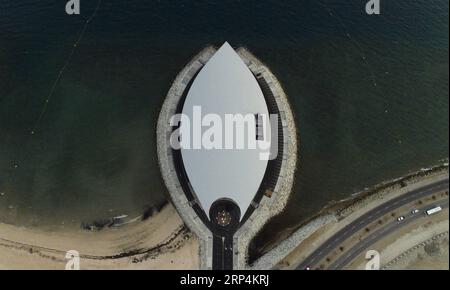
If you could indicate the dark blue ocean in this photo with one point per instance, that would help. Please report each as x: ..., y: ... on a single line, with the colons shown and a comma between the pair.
x: 77, y: 124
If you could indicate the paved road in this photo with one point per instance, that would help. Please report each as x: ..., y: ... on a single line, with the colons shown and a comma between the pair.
x: 223, y: 252
x: 369, y: 217
x: 351, y: 254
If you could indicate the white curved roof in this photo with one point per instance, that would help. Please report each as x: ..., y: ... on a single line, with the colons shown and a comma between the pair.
x: 225, y: 85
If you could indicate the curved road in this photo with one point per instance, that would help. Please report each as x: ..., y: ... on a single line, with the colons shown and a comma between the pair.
x: 378, y: 235
x: 332, y: 243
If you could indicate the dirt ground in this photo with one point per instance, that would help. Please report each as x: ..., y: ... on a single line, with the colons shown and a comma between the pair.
x: 160, y: 242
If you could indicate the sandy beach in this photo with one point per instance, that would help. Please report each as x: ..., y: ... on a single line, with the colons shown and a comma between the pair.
x: 160, y: 242
x: 164, y: 242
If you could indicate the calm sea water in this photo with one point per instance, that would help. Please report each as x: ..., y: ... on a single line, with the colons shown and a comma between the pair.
x: 369, y: 93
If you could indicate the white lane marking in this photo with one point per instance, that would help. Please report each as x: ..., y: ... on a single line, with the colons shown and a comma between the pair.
x: 384, y: 208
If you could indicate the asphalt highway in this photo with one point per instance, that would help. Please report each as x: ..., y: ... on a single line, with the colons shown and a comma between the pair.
x: 378, y: 235
x: 333, y: 242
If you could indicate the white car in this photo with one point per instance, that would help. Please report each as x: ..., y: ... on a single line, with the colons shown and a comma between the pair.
x: 415, y: 211
x: 401, y: 218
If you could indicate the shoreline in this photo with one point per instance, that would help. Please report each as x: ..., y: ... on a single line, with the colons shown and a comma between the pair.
x: 95, y: 225
x: 336, y: 215
x: 140, y: 245
x: 146, y: 245
x: 338, y: 207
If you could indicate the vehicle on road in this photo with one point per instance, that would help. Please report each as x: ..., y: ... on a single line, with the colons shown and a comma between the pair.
x: 433, y: 210
x: 414, y: 211
x: 400, y: 218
